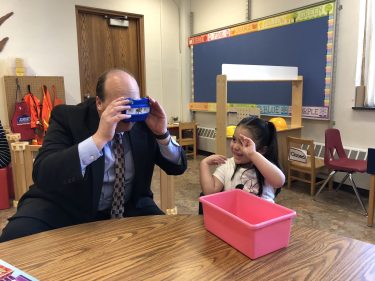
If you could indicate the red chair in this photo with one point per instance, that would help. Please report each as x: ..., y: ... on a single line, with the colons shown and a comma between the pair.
x: 4, y: 192
x: 336, y: 160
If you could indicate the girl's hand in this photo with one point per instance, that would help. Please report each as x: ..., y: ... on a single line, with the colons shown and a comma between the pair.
x: 271, y: 173
x: 248, y: 146
x: 209, y: 183
x: 214, y: 159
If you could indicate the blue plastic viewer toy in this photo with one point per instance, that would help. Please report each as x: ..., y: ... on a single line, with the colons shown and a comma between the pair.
x: 140, y: 108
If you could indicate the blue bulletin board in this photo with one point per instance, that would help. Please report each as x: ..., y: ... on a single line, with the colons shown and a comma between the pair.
x: 303, y: 38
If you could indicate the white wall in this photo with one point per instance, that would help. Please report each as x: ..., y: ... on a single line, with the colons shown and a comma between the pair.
x: 43, y: 33
x: 185, y: 59
x: 261, y: 8
x: 213, y: 14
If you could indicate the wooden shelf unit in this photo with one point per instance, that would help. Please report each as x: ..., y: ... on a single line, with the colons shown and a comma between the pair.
x: 221, y: 117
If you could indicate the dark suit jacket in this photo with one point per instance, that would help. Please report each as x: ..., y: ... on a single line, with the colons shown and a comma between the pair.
x: 61, y: 195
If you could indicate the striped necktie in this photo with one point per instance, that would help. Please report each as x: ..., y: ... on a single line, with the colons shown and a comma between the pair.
x: 117, y: 210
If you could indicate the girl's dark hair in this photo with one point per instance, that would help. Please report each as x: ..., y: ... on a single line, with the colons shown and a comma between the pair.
x: 265, y: 139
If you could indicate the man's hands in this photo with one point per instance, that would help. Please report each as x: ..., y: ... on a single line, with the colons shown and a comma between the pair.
x: 156, y: 119
x: 109, y: 119
x: 112, y: 115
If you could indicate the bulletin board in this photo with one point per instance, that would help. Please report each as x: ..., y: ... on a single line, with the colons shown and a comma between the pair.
x: 303, y: 38
x: 36, y: 83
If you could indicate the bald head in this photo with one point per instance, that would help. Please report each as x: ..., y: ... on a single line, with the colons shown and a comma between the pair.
x: 116, y: 83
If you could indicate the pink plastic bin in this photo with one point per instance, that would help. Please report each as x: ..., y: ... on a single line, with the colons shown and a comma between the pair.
x: 248, y: 223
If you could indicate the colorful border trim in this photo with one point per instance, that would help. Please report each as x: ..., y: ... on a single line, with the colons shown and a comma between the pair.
x: 329, y: 57
x: 266, y: 109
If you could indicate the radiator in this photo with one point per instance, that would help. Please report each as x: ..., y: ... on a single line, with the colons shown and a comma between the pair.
x: 207, y: 143
x: 351, y: 152
x: 206, y: 139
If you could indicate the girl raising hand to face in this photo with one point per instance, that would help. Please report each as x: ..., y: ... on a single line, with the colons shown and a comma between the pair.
x: 254, y: 166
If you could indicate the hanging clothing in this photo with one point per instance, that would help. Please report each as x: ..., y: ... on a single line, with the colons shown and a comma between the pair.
x: 56, y: 100
x: 36, y: 115
x: 46, y: 107
x: 34, y: 107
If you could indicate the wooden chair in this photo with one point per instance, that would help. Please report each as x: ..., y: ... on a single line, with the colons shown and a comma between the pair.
x: 187, y: 134
x: 301, y: 166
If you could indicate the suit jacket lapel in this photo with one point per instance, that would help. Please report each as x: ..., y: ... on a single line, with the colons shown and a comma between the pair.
x: 97, y: 181
x: 90, y: 121
x: 93, y: 118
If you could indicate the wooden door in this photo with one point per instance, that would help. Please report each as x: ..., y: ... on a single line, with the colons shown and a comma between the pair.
x: 102, y: 46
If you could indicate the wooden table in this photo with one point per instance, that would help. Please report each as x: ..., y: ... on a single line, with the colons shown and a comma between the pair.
x: 179, y: 248
x: 173, y: 129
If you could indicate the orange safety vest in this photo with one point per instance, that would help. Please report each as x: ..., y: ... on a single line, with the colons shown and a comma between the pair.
x: 35, y: 114
x: 46, y: 107
x: 34, y: 106
x: 56, y: 100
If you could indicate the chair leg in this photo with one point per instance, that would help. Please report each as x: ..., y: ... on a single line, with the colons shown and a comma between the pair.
x: 289, y: 180
x: 330, y: 184
x: 313, y: 184
x: 357, y: 194
x: 342, y: 181
x: 324, y: 184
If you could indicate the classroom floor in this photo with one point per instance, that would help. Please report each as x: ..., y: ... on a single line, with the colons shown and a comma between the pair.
x: 335, y: 212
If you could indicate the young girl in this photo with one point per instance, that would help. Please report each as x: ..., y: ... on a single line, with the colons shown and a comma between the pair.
x: 254, y: 166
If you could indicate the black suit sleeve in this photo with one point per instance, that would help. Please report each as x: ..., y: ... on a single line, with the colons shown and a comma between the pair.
x: 146, y: 153
x: 57, y: 162
x: 169, y: 167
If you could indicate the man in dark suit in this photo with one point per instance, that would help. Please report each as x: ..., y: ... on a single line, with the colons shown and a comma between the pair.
x: 74, y: 170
